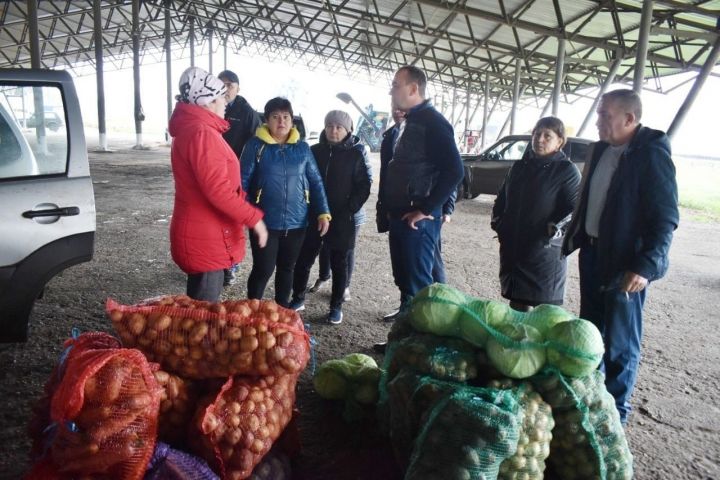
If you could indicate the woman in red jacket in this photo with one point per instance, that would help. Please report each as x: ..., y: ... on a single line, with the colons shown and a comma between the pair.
x: 210, y: 213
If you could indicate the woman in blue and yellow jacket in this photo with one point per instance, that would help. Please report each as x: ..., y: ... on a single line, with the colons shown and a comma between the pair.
x: 281, y: 177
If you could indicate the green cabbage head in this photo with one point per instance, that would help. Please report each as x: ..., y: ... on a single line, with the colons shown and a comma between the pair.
x: 430, y: 313
x: 575, y: 347
x: 544, y: 317
x: 518, y: 352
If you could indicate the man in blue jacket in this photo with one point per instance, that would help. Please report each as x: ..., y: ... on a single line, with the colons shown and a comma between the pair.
x: 420, y: 168
x: 623, y: 226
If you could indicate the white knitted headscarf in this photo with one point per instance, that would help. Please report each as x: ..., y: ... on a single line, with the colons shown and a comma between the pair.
x: 199, y: 87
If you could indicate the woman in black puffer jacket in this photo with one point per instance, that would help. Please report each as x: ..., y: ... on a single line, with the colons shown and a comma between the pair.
x: 529, y: 216
x: 346, y: 175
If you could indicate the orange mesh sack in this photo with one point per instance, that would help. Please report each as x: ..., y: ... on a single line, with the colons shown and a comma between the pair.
x: 40, y: 421
x: 236, y: 427
x: 200, y: 340
x: 178, y: 399
x: 105, y: 415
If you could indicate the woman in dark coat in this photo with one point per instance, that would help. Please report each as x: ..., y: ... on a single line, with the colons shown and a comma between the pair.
x: 346, y: 175
x: 531, y: 210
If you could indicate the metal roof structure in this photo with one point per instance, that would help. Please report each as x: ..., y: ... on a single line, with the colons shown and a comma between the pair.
x: 456, y: 42
x: 524, y: 52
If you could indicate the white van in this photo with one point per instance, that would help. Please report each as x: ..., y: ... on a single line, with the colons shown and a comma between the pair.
x: 47, y: 219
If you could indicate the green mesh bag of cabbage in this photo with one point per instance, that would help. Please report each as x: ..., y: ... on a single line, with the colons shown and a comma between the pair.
x: 528, y: 461
x: 467, y: 435
x: 353, y: 378
x: 588, y: 441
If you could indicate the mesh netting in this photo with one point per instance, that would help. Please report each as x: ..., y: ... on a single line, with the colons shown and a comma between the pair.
x: 170, y: 464
x: 500, y: 330
x: 236, y: 426
x: 104, y: 416
x: 197, y: 339
x: 588, y: 439
x: 178, y: 398
x: 528, y: 461
x: 410, y: 397
x: 467, y: 435
x: 441, y: 358
x: 40, y: 421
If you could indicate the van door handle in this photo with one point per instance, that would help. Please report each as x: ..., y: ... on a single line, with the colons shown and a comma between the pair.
x: 53, y: 212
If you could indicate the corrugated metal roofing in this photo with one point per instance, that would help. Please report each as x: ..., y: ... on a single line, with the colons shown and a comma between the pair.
x: 455, y: 42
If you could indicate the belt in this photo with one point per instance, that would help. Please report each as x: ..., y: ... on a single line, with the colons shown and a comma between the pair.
x: 592, y: 241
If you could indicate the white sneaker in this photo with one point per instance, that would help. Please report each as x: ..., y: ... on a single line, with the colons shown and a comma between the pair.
x: 346, y: 295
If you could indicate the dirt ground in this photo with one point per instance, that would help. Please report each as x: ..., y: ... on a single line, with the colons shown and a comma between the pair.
x: 674, y: 432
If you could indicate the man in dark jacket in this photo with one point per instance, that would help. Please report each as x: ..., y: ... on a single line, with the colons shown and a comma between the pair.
x: 244, y: 120
x: 623, y: 226
x: 420, y: 168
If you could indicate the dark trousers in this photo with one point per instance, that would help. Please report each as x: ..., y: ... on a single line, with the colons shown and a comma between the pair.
x: 311, y: 247
x: 619, y: 318
x: 279, y: 255
x: 205, y: 286
x: 412, y: 255
x: 324, y: 261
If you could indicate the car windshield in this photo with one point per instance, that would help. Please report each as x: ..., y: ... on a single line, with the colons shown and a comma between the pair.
x: 507, y: 150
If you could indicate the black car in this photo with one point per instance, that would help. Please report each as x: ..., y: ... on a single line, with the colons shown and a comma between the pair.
x: 485, y: 172
x: 53, y: 121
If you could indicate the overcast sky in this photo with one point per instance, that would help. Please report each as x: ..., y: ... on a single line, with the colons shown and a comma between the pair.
x: 313, y: 94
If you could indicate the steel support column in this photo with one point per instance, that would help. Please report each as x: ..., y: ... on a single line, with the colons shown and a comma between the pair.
x: 603, y: 88
x: 467, y: 117
x: 192, y: 41
x: 168, y: 66
x: 642, y: 45
x: 516, y: 95
x: 34, y: 34
x: 225, y: 53
x: 210, y: 49
x: 38, y: 100
x: 695, y: 90
x: 559, y: 67
x: 486, y: 102
x: 99, y: 75
x: 454, y: 104
x: 139, y: 116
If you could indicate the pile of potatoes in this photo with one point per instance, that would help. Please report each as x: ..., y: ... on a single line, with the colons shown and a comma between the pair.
x: 178, y: 399
x: 114, y: 429
x: 234, y: 428
x: 197, y: 339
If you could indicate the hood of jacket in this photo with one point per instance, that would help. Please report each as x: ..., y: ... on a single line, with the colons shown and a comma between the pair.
x: 644, y: 136
x: 263, y: 133
x: 350, y: 141
x: 191, y: 116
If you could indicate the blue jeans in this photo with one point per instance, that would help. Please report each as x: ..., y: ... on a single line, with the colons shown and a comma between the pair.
x: 438, y: 272
x: 619, y: 318
x: 412, y: 254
